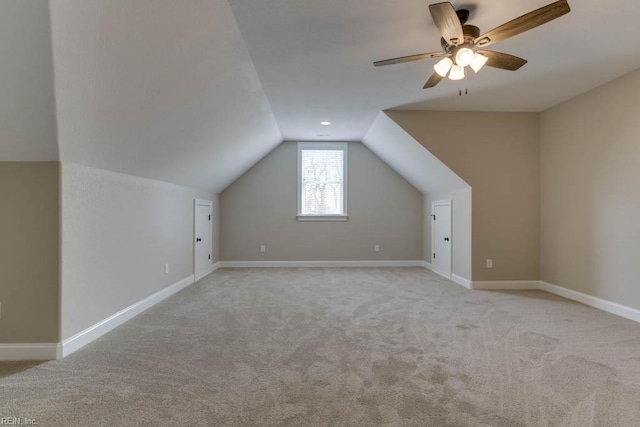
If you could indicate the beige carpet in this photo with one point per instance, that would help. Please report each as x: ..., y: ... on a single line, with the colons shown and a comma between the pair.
x: 343, y: 347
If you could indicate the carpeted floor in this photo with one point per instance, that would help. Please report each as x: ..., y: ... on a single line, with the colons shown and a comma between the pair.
x: 347, y: 347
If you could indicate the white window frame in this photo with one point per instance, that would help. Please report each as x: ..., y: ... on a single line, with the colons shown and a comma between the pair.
x: 323, y: 146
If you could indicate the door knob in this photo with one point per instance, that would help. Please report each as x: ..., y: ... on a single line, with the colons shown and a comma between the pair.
x: 446, y: 239
x: 198, y: 239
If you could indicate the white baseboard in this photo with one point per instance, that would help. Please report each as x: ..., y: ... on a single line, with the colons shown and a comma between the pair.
x: 463, y: 281
x: 608, y: 306
x: 94, y: 332
x: 506, y: 285
x: 28, y: 351
x: 297, y: 264
x: 426, y: 264
x: 208, y: 271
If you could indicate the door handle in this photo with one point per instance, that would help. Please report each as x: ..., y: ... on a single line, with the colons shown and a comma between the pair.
x: 198, y: 239
x: 446, y: 239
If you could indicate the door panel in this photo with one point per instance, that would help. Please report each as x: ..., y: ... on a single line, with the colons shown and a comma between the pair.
x: 441, y: 238
x: 202, y: 238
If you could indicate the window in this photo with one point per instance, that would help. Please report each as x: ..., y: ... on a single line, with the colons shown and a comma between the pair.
x: 322, y: 181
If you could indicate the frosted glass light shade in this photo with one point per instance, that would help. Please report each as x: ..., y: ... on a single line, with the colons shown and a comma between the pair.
x: 464, y: 57
x: 443, y: 66
x: 478, y: 62
x: 457, y: 73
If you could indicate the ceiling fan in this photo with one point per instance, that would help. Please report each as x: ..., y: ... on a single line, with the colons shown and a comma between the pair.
x: 462, y: 44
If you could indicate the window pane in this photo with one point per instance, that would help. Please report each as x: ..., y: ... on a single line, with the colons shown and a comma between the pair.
x: 322, y: 182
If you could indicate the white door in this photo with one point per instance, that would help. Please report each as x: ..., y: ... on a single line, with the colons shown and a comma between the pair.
x: 202, y: 238
x: 441, y: 238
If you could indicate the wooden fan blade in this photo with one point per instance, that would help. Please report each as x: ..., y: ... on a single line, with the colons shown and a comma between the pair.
x: 433, y: 80
x: 447, y: 21
x: 410, y: 58
x: 524, y: 23
x: 504, y: 61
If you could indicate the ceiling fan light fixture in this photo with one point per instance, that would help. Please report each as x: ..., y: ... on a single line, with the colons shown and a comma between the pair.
x: 443, y: 66
x: 464, y: 56
x: 457, y: 73
x: 478, y: 62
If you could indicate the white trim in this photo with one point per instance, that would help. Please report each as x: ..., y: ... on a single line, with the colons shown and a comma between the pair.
x: 208, y: 271
x: 297, y: 264
x: 463, y: 281
x: 94, y: 332
x: 344, y: 147
x: 506, y: 285
x: 430, y: 267
x: 322, y: 217
x: 28, y: 351
x: 599, y: 303
x: 440, y: 272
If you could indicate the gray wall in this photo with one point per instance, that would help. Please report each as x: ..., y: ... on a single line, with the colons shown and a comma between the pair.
x: 29, y: 252
x: 590, y: 158
x: 28, y: 108
x: 260, y: 209
x: 498, y: 155
x: 460, y: 229
x: 118, y: 231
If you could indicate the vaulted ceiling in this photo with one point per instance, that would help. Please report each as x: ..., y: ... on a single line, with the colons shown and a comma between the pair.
x: 314, y: 58
x: 195, y: 92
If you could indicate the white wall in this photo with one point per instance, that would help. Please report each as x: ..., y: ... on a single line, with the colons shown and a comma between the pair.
x: 118, y: 231
x: 28, y: 109
x: 161, y: 89
x: 260, y: 209
x: 590, y: 187
x: 460, y: 229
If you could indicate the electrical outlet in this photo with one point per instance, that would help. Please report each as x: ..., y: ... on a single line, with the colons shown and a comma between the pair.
x: 376, y: 248
x: 489, y: 263
x: 166, y: 269
x: 263, y: 248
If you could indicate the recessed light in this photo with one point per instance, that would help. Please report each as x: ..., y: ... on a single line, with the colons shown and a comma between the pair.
x: 325, y: 123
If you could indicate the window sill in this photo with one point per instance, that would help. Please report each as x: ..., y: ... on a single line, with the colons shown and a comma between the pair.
x: 322, y: 217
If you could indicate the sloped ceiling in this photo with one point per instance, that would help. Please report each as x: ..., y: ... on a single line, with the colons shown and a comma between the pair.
x: 167, y: 89
x: 409, y: 158
x: 27, y: 107
x: 161, y: 89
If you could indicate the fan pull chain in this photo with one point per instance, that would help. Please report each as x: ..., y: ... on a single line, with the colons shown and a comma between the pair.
x: 466, y: 89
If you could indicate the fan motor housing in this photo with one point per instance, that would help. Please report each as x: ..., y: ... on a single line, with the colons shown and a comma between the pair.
x: 471, y: 32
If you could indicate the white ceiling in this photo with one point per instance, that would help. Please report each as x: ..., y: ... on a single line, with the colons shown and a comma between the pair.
x: 160, y: 89
x: 196, y: 92
x: 314, y: 58
x: 27, y: 103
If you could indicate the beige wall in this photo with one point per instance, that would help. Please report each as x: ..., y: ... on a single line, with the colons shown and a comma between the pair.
x: 29, y: 252
x: 260, y: 209
x: 118, y: 231
x: 590, y: 167
x: 460, y: 229
x: 498, y: 155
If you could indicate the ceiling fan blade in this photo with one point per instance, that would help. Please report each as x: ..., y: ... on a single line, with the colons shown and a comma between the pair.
x: 447, y: 21
x: 433, y: 80
x: 524, y: 23
x: 410, y: 58
x: 504, y: 61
